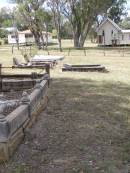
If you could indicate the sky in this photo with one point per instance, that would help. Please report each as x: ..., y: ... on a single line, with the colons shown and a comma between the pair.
x: 128, y: 3
x: 4, y: 3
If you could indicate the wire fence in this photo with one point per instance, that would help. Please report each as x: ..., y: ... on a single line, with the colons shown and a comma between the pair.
x: 106, y: 51
x: 32, y: 50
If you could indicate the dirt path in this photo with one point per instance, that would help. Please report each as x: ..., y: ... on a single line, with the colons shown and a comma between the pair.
x: 83, y: 130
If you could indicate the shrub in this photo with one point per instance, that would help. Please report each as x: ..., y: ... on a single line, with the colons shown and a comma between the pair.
x: 5, y: 41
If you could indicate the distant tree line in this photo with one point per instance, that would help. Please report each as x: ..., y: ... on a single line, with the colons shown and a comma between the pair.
x: 76, y: 19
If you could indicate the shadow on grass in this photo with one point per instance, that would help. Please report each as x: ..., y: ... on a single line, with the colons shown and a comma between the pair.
x: 95, y: 119
x: 85, y: 129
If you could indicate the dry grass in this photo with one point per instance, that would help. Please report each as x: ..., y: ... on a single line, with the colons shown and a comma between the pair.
x: 85, y: 128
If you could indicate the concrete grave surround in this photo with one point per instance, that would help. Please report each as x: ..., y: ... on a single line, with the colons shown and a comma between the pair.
x: 14, y: 125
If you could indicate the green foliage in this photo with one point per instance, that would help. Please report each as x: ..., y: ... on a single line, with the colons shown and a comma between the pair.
x: 125, y: 24
x: 5, y: 17
x: 19, y: 169
x: 82, y: 15
x: 5, y: 41
x: 3, y: 33
x: 7, y: 23
x: 32, y: 16
x: 66, y: 31
x: 117, y: 10
x: 54, y: 33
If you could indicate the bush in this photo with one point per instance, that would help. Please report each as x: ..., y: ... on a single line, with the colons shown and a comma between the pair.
x: 5, y: 41
x: 3, y: 33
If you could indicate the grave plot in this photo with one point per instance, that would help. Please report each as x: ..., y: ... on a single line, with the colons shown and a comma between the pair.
x: 84, y: 68
x: 22, y: 98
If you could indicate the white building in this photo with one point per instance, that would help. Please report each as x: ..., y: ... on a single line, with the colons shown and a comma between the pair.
x: 109, y: 33
x: 26, y: 37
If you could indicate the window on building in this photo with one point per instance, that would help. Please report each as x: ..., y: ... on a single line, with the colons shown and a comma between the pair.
x: 122, y: 37
x: 103, y: 33
x: 112, y: 32
x: 14, y: 36
x: 28, y: 35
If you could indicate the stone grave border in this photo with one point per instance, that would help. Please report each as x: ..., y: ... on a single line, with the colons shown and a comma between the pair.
x: 14, y: 125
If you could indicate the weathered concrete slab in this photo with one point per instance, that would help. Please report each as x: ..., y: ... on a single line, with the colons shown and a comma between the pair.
x: 17, y: 118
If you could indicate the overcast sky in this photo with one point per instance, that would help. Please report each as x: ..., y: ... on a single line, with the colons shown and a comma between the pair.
x: 4, y: 3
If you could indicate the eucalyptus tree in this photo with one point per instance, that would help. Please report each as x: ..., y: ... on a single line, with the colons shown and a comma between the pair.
x: 125, y: 23
x: 82, y: 14
x: 5, y: 17
x: 56, y: 7
x: 47, y: 16
x: 117, y: 10
x: 32, y: 13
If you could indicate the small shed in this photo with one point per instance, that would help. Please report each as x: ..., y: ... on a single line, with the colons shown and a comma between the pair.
x: 110, y: 34
x: 26, y: 37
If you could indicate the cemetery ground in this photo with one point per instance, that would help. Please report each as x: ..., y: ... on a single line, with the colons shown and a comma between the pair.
x: 86, y: 126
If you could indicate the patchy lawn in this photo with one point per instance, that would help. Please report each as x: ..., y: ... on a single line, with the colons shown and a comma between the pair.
x: 85, y: 128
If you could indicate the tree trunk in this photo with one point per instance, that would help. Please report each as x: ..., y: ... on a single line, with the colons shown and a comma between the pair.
x: 59, y: 35
x: 82, y: 39
x: 37, y: 39
x: 76, y: 36
x: 46, y: 36
x: 57, y: 20
x: 42, y: 39
x: 80, y: 36
x: 76, y: 40
x: 59, y: 42
x: 79, y: 40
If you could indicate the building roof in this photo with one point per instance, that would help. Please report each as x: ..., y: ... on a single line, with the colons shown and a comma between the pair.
x: 125, y: 30
x: 25, y: 32
x: 29, y: 32
x: 112, y: 22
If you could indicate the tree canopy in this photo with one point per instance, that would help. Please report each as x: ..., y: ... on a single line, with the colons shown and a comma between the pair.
x: 117, y: 10
x: 125, y: 23
x: 34, y: 17
x: 81, y: 15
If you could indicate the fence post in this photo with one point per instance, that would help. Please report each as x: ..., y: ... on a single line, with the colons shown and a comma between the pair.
x: 48, y: 69
x: 84, y: 51
x: 123, y: 51
x: 12, y: 48
x: 104, y: 51
x: 48, y: 52
x: 30, y: 50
